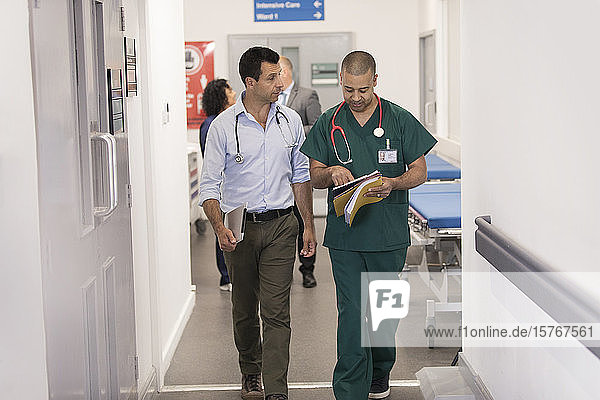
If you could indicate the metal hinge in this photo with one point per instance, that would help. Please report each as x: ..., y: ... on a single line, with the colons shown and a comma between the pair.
x: 122, y: 19
x: 136, y: 367
x: 129, y: 195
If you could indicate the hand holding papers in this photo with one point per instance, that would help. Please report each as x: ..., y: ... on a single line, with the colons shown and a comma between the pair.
x: 353, y: 184
x: 358, y: 199
x: 235, y: 220
x: 350, y: 197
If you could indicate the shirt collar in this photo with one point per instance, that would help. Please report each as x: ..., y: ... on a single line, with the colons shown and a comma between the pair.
x: 240, y: 108
x: 289, y: 88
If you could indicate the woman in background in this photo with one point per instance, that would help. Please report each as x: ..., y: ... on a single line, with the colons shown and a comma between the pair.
x: 217, y: 97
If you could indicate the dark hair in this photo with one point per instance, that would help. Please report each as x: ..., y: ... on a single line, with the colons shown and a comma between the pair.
x: 358, y: 63
x: 252, y: 59
x: 214, y: 99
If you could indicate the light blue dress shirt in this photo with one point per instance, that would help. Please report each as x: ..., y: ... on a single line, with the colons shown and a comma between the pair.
x: 272, y: 159
x: 285, y: 95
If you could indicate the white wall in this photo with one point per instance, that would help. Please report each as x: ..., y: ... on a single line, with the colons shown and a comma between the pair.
x: 22, y: 339
x: 529, y: 137
x: 443, y: 17
x: 385, y: 28
x: 428, y: 13
x: 454, y: 70
x: 162, y: 70
x: 139, y: 210
x: 159, y: 179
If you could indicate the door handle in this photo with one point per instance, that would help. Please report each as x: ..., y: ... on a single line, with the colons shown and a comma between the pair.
x: 427, y: 113
x: 108, y: 174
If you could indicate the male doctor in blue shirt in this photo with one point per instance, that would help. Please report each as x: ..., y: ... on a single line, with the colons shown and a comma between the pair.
x: 253, y: 156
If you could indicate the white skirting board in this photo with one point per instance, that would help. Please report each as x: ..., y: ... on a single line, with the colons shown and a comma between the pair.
x: 149, y: 390
x: 452, y: 383
x: 473, y: 377
x: 171, y: 346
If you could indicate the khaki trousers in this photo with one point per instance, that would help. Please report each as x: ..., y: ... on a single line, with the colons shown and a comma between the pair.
x: 260, y: 269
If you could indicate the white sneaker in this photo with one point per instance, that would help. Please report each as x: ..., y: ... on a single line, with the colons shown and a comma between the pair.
x: 226, y: 287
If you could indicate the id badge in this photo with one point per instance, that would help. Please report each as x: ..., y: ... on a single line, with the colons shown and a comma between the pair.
x: 387, y: 156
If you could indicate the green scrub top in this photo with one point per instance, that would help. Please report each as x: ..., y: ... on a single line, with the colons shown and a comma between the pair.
x: 381, y: 226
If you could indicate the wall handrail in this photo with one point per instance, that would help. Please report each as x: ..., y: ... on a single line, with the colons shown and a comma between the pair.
x: 559, y: 298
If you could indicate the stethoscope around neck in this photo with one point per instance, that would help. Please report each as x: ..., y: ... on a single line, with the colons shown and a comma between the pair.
x: 239, y: 157
x: 377, y: 132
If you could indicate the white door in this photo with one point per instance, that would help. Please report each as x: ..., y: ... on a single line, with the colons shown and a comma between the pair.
x: 85, y: 216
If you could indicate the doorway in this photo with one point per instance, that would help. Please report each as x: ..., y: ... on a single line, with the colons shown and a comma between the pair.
x: 427, y: 81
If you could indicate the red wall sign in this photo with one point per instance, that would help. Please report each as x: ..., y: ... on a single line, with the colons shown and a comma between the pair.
x: 199, y: 70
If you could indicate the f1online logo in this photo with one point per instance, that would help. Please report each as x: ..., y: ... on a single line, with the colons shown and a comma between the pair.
x: 388, y: 300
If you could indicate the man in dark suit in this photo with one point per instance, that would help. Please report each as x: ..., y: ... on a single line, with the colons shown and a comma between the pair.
x: 306, y: 103
x: 300, y: 99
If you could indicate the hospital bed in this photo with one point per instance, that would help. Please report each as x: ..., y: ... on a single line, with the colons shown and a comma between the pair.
x: 440, y: 169
x: 435, y: 226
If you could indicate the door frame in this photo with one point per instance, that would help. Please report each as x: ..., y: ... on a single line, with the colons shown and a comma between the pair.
x: 422, y: 82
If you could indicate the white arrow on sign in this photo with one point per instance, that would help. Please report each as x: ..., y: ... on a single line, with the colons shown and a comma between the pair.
x: 317, y: 4
x: 317, y: 15
x: 203, y: 81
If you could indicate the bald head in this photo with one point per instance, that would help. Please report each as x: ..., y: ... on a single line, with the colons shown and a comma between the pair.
x: 286, y: 63
x: 358, y: 63
x: 286, y: 71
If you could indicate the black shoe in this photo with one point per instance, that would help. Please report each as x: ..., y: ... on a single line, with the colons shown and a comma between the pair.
x: 308, y: 280
x: 252, y: 387
x: 277, y: 397
x: 380, y: 388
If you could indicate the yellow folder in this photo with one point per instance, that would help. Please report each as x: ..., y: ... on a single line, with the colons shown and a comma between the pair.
x: 357, y: 200
x: 340, y: 201
x: 348, y: 202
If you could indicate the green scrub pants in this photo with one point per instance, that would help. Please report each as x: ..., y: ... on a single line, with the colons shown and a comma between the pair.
x: 357, y: 365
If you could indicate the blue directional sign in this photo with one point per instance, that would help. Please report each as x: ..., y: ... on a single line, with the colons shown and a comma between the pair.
x: 292, y: 10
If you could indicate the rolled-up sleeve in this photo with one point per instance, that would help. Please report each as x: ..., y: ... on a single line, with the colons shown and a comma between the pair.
x: 300, y: 164
x: 213, y: 164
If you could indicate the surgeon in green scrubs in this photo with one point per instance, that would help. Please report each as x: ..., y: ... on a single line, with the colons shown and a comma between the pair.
x: 370, y: 134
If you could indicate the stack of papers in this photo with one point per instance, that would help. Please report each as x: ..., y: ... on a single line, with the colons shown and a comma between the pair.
x: 349, y: 198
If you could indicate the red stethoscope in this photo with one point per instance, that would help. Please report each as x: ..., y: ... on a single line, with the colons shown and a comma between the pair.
x: 378, y: 132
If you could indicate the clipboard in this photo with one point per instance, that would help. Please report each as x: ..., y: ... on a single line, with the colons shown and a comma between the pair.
x: 235, y: 220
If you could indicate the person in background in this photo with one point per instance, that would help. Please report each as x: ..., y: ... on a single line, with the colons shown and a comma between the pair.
x: 217, y: 97
x: 306, y: 103
x: 300, y: 99
x: 253, y: 157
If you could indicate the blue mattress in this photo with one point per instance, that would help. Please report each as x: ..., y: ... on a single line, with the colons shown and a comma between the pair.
x: 449, y: 187
x: 440, y: 169
x: 438, y: 203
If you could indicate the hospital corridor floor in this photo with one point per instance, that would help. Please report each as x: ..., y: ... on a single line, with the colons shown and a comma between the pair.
x: 206, y: 358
